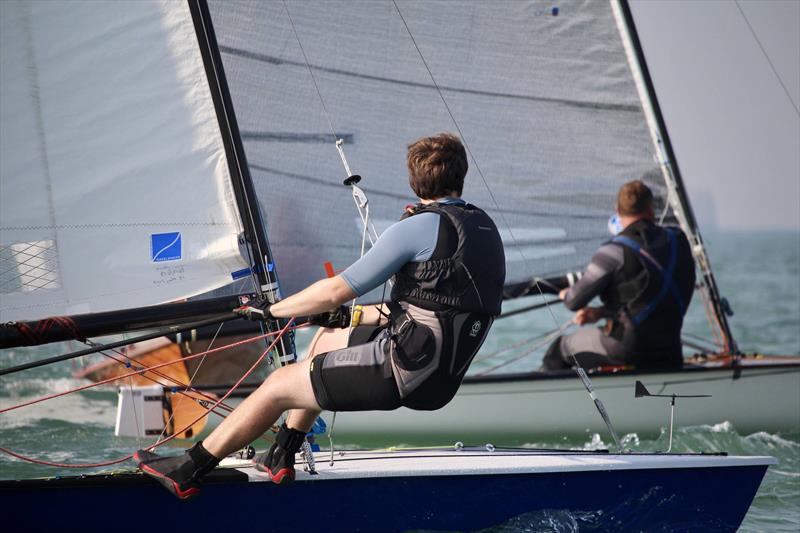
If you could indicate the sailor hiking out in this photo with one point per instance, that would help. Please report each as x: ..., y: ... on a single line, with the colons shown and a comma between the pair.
x: 448, y: 265
x: 644, y: 277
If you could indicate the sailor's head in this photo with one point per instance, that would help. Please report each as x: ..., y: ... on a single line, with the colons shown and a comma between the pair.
x: 437, y: 166
x: 634, y: 202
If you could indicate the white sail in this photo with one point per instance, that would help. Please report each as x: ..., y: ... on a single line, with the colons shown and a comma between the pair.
x: 542, y: 95
x: 114, y: 184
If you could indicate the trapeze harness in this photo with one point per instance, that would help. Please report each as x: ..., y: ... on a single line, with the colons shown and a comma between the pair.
x: 440, y: 312
x: 652, y: 290
x: 462, y: 291
x: 666, y: 274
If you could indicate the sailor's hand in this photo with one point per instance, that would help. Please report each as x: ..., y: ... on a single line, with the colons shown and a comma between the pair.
x: 257, y: 309
x: 562, y: 294
x: 588, y: 315
x: 336, y: 318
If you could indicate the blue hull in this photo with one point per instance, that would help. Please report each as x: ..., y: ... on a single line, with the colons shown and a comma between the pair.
x: 686, y: 499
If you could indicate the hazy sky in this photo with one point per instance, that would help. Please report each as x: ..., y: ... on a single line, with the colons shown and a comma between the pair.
x: 735, y: 131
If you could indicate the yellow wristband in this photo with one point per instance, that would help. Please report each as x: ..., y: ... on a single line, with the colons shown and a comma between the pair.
x: 356, y: 318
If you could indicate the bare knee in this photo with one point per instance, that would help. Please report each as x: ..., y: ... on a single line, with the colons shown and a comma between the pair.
x: 272, y: 391
x: 326, y: 340
x: 289, y: 387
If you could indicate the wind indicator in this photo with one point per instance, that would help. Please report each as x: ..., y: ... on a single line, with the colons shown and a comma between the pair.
x: 641, y: 391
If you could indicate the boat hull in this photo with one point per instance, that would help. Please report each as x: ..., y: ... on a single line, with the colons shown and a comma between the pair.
x: 763, y: 394
x: 516, y: 409
x: 400, y: 491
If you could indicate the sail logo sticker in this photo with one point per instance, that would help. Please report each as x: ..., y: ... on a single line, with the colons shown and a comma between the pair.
x: 165, y: 246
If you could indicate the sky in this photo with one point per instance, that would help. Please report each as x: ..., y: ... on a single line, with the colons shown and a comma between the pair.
x: 735, y: 131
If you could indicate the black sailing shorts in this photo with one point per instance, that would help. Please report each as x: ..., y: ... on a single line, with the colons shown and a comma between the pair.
x: 359, y: 377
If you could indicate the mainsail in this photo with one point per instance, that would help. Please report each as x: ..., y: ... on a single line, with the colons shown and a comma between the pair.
x: 115, y: 190
x: 543, y: 97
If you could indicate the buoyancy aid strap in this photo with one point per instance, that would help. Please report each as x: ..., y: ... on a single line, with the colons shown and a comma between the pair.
x: 667, y: 274
x: 397, y: 316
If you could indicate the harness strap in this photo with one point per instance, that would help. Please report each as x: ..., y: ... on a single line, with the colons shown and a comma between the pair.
x: 397, y: 317
x: 667, y: 274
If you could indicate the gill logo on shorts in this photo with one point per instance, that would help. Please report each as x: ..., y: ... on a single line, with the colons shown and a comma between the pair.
x: 347, y: 357
x: 476, y: 328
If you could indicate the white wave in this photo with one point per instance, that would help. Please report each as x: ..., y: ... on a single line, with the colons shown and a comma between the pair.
x: 771, y: 440
x: 35, y: 386
x: 596, y: 443
x: 784, y: 473
x: 722, y: 427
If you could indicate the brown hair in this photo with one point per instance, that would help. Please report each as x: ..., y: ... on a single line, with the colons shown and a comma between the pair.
x: 437, y: 166
x: 634, y: 198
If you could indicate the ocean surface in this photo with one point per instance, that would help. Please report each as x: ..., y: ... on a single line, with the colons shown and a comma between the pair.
x: 759, y: 273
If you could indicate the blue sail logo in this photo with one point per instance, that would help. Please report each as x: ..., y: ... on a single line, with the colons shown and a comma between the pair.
x: 165, y: 246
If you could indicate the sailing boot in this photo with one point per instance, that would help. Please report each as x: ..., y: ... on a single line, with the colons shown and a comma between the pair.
x: 180, y: 475
x: 278, y: 462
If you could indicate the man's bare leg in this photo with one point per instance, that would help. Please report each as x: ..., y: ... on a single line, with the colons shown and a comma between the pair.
x: 286, y: 388
x: 325, y: 340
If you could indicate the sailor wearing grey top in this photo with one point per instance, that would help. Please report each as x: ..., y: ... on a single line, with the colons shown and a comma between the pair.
x: 446, y: 258
x: 645, y: 278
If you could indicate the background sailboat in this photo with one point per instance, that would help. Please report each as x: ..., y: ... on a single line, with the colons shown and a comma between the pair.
x: 553, y: 130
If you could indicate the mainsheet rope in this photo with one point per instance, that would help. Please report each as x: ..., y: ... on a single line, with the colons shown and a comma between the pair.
x: 161, y: 442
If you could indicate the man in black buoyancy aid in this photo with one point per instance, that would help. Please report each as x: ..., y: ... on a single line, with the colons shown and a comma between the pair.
x: 448, y: 264
x: 644, y: 277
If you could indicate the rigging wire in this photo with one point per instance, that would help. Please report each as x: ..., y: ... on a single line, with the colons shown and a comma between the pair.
x: 311, y: 73
x: 359, y: 197
x: 581, y: 372
x: 766, y: 56
x: 131, y: 361
x: 512, y: 347
x: 189, y: 384
x: 544, y: 340
x: 278, y: 335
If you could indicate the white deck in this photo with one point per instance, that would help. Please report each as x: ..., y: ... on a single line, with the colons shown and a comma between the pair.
x: 366, y: 464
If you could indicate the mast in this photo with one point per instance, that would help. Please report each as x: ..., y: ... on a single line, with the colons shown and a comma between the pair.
x: 254, y: 236
x: 678, y: 199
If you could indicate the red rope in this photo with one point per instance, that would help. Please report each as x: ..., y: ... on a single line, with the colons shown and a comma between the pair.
x: 187, y: 387
x: 129, y: 374
x: 278, y: 334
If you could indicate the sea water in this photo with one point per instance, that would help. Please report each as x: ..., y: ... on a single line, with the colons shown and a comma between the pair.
x: 759, y: 273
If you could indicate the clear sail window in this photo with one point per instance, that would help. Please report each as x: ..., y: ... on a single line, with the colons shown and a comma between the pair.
x: 29, y: 266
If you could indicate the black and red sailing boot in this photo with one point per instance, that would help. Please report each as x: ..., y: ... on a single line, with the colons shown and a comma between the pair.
x: 278, y: 462
x: 180, y: 475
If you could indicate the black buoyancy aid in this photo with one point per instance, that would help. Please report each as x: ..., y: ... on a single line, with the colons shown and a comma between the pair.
x: 472, y: 278
x: 657, y: 279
